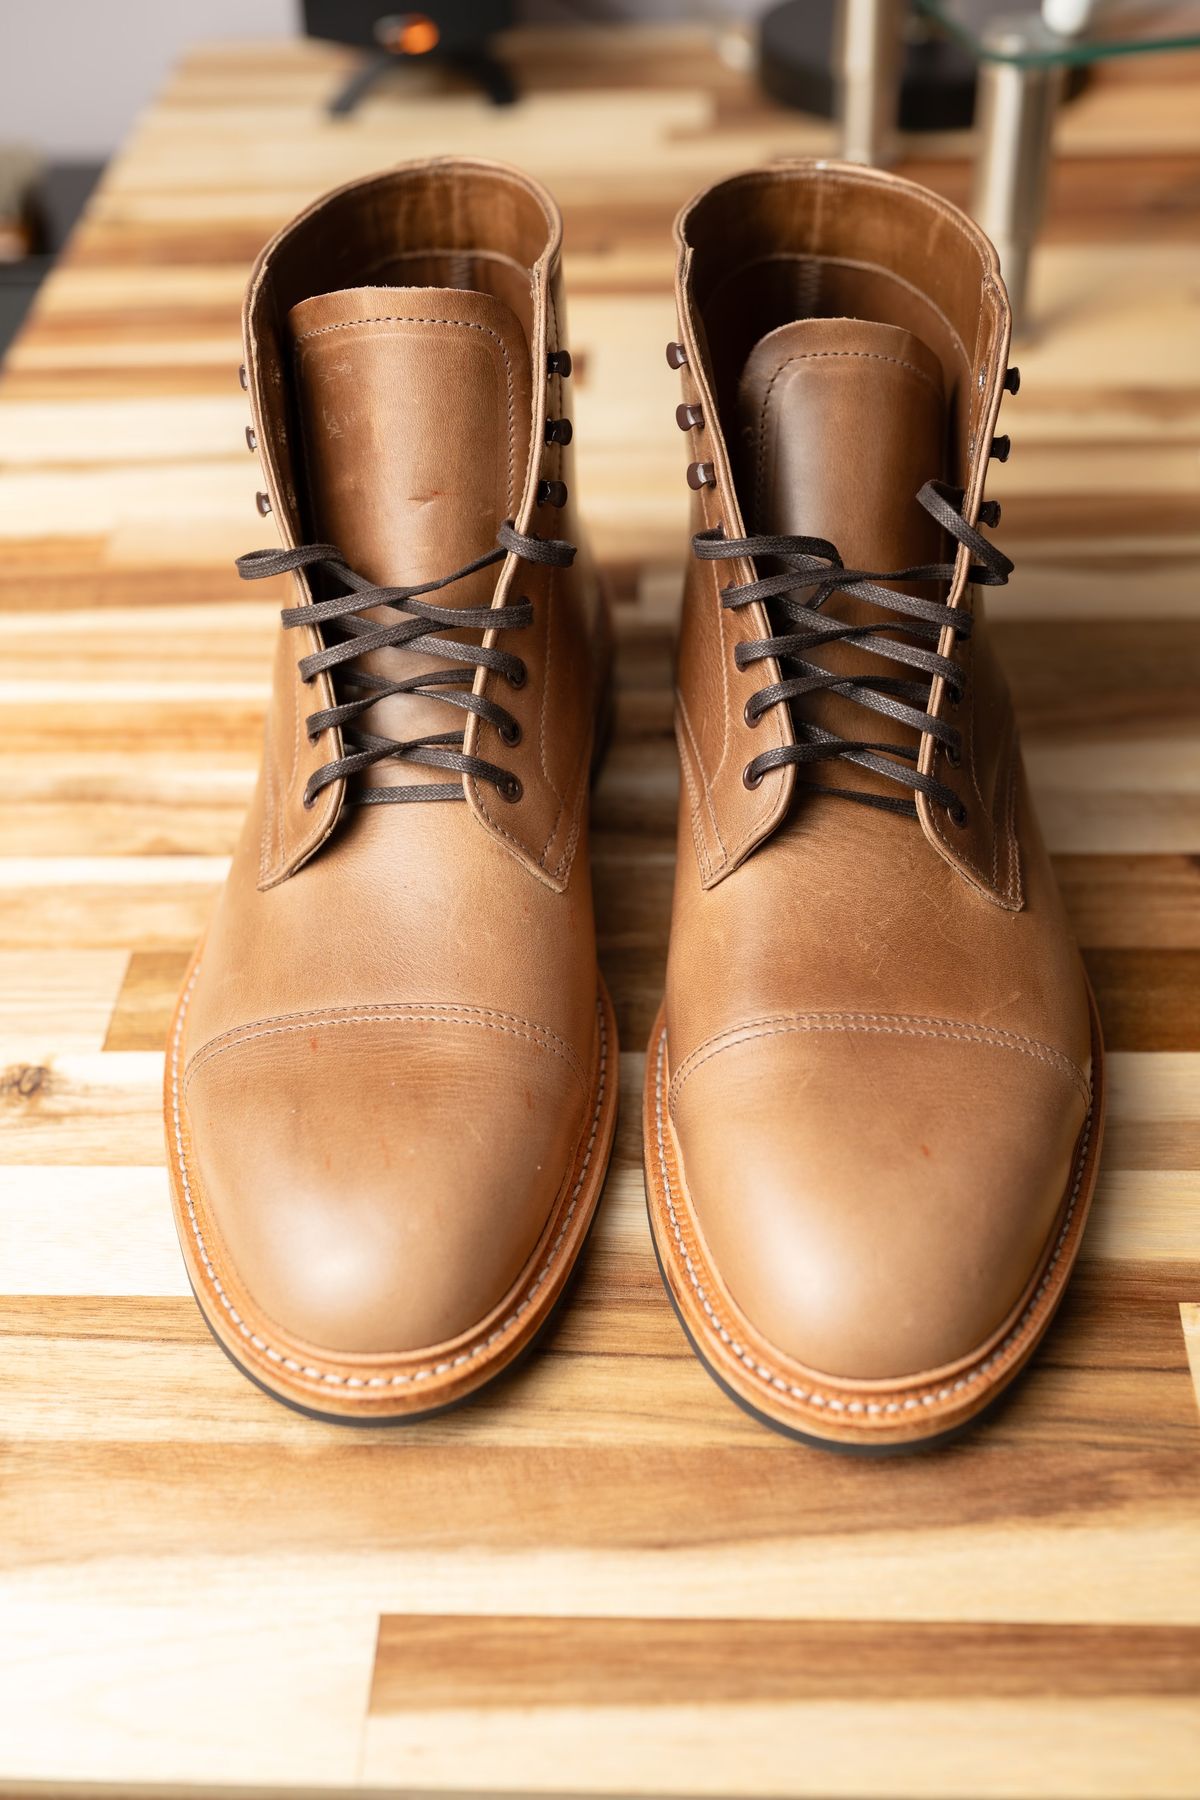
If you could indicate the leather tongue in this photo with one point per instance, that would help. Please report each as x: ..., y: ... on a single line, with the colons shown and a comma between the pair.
x: 414, y: 406
x: 840, y: 423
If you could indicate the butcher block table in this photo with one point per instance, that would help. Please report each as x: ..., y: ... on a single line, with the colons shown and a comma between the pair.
x: 601, y: 1577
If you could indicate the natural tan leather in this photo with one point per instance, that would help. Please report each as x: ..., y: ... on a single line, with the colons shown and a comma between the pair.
x: 391, y: 1088
x: 873, y: 1078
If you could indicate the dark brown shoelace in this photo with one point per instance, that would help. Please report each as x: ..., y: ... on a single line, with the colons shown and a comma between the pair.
x: 416, y: 621
x: 812, y: 567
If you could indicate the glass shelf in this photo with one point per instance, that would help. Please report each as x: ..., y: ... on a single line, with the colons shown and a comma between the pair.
x: 1008, y: 36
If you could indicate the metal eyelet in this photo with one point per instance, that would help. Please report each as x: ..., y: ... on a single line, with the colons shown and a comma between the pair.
x: 512, y: 790
x: 676, y: 356
x: 958, y: 815
x: 510, y: 732
x: 263, y: 503
x: 251, y: 438
x: 559, y: 431
x: 308, y: 802
x: 1012, y: 380
x: 753, y: 719
x: 243, y: 377
x: 689, y: 418
x: 558, y: 362
x: 518, y: 677
x: 1001, y: 448
x: 552, y: 493
x: 701, y: 475
x: 953, y: 755
x: 750, y: 780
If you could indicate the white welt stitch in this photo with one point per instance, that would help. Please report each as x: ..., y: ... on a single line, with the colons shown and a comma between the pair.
x: 315, y: 1374
x: 932, y: 1394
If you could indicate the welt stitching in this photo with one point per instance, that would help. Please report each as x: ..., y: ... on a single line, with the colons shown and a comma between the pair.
x: 897, y: 362
x: 931, y: 1396
x: 886, y: 1025
x: 374, y: 1381
x: 380, y: 1015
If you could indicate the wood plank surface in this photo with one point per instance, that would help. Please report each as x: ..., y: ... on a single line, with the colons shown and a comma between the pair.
x: 602, y: 1578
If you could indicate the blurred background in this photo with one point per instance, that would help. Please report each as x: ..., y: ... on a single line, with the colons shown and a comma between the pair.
x: 74, y: 76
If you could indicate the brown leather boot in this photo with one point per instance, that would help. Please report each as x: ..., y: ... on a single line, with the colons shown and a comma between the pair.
x: 873, y: 1099
x: 391, y: 1083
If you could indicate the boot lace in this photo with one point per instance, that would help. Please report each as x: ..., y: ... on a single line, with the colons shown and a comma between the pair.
x: 416, y: 620
x: 809, y: 573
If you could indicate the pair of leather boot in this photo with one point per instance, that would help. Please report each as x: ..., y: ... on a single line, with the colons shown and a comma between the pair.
x: 873, y: 1094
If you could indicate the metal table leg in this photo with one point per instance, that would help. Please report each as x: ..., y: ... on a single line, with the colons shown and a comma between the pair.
x: 1015, y: 111
x: 870, y: 36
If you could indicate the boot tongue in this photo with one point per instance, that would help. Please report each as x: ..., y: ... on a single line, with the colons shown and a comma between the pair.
x: 840, y: 423
x: 414, y: 407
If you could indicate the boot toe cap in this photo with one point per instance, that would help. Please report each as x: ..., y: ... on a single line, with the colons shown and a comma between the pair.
x: 377, y: 1186
x: 876, y: 1205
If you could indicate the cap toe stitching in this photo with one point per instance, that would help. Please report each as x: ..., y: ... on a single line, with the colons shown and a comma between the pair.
x: 880, y: 1024
x: 436, y: 1013
x: 313, y: 1372
x: 903, y: 1398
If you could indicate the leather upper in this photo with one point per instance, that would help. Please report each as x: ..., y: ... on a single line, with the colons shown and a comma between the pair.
x: 818, y: 240
x: 878, y: 1027
x: 389, y: 1051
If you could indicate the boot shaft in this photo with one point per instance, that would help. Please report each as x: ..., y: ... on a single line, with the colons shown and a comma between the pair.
x: 409, y: 385
x: 843, y: 338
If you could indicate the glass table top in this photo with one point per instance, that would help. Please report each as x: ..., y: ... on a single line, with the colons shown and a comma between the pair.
x: 1003, y: 33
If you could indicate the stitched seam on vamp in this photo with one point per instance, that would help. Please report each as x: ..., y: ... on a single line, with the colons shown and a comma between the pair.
x: 375, y: 1381
x: 888, y: 1025
x: 695, y: 819
x: 693, y: 741
x: 572, y: 794
x: 911, y: 1402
